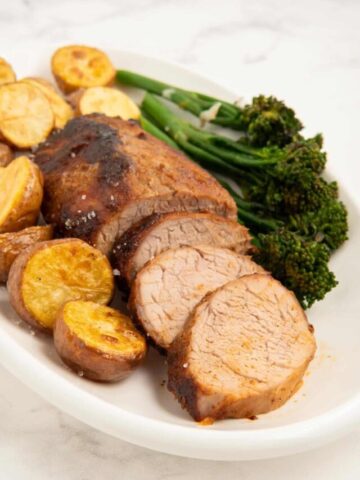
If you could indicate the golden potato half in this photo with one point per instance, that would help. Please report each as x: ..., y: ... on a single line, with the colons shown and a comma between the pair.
x: 6, y: 155
x: 47, y: 275
x: 21, y: 193
x: 13, y: 243
x: 26, y: 117
x: 61, y: 109
x: 77, y: 66
x: 7, y: 74
x: 109, y: 101
x: 99, y: 342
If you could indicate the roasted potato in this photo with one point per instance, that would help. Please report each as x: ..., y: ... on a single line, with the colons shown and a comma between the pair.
x: 61, y: 109
x: 97, y: 342
x: 13, y: 243
x: 77, y: 66
x: 26, y: 117
x: 48, y: 274
x: 74, y: 97
x: 21, y: 193
x: 7, y: 74
x: 6, y: 155
x: 108, y: 101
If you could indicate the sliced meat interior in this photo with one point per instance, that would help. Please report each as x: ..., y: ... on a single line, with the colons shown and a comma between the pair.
x: 102, y: 175
x: 158, y: 233
x: 243, y: 352
x: 168, y: 288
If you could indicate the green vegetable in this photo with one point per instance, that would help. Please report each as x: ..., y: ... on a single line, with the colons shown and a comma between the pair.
x: 265, y: 122
x: 293, y: 213
x: 300, y: 264
x: 269, y: 121
x: 285, y: 180
x: 297, y: 253
x: 149, y: 127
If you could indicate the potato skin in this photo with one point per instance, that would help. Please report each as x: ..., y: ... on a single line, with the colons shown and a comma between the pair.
x: 13, y: 243
x: 15, y: 282
x: 6, y: 155
x: 91, y: 363
x: 14, y: 285
x: 27, y: 211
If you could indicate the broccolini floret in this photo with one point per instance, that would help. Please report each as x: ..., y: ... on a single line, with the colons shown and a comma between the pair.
x: 268, y: 121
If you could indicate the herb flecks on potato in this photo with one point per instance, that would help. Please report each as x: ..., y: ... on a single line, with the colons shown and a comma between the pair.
x: 98, y: 342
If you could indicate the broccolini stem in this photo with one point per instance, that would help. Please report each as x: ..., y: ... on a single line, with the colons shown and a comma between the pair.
x: 247, y: 216
x: 151, y: 128
x: 181, y: 131
x: 195, y: 103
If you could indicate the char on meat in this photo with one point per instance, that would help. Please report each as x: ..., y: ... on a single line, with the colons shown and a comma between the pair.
x: 102, y: 175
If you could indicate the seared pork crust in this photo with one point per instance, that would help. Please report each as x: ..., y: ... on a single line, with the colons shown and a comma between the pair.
x: 104, y: 174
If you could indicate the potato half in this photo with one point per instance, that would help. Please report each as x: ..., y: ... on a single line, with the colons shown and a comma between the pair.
x: 13, y: 243
x: 109, y: 101
x: 77, y: 66
x: 21, y: 193
x: 61, y: 109
x: 26, y: 117
x: 99, y: 342
x: 7, y: 74
x: 48, y: 274
x: 6, y: 155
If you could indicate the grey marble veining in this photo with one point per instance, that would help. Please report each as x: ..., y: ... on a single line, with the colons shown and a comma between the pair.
x: 252, y: 46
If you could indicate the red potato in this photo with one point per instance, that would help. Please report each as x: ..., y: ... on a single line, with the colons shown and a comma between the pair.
x: 13, y: 243
x: 97, y: 342
x: 49, y: 274
x: 21, y: 194
x: 6, y: 155
x: 78, y: 66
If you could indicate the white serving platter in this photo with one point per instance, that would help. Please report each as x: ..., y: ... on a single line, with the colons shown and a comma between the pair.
x: 140, y: 410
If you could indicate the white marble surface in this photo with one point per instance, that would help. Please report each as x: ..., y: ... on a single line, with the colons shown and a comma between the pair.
x: 306, y: 52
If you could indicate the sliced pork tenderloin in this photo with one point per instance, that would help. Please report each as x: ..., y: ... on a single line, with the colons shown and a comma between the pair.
x: 243, y: 352
x: 166, y: 290
x: 158, y: 233
x: 102, y: 175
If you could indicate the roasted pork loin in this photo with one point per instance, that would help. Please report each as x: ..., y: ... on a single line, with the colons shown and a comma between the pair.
x: 243, y: 352
x: 158, y: 233
x: 168, y: 288
x: 102, y: 175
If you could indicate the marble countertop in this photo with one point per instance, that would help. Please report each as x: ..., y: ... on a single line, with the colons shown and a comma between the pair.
x: 251, y: 46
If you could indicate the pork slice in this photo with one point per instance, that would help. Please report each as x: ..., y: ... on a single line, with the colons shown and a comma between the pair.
x: 102, y: 175
x: 243, y: 352
x: 158, y: 233
x: 168, y: 288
